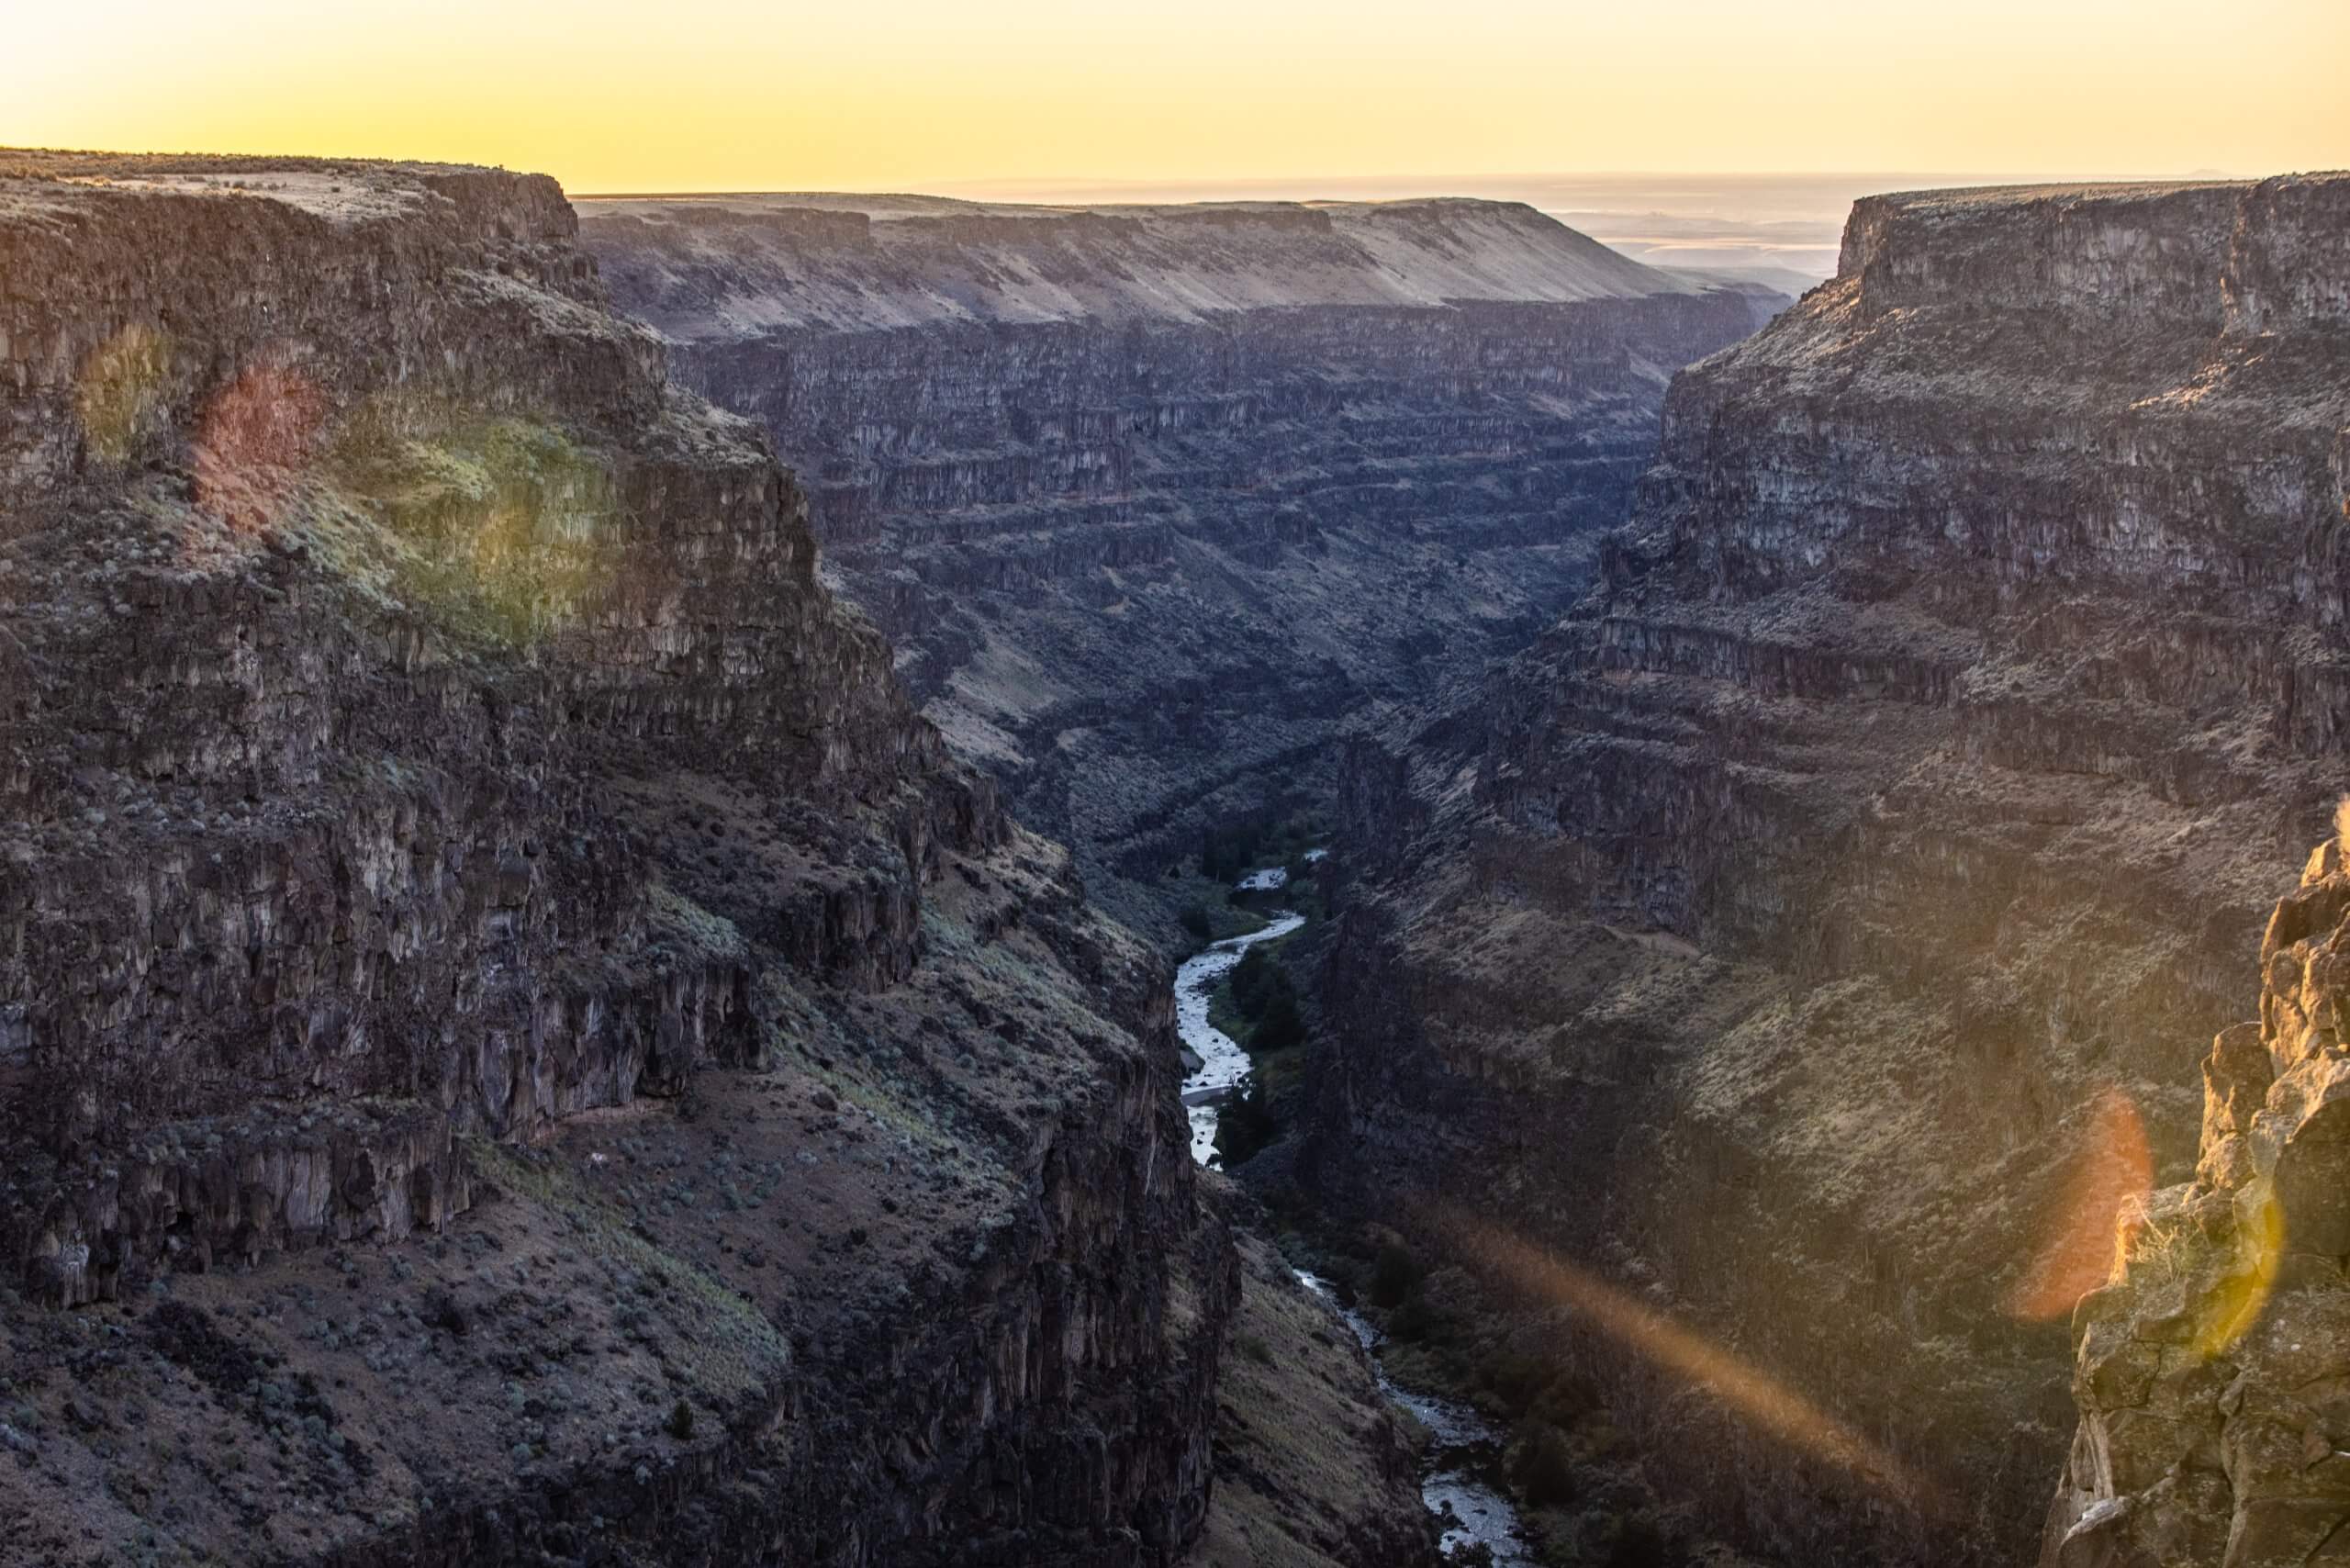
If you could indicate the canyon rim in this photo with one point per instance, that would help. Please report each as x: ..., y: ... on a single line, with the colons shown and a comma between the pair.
x: 963, y: 873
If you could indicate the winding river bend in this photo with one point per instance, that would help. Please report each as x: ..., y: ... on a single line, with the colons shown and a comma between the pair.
x: 1223, y: 1064
x: 1465, y: 1449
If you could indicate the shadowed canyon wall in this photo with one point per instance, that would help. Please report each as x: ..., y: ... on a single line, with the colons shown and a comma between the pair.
x: 516, y: 1041
x: 1151, y: 498
x: 1781, y: 934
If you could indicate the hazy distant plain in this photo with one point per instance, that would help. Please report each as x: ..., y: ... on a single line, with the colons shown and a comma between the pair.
x: 1781, y: 229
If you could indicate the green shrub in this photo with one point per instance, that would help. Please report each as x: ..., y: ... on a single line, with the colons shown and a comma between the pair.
x: 1642, y: 1544
x: 1514, y: 1378
x: 1196, y: 925
x: 1245, y: 1124
x: 1252, y: 982
x: 1543, y: 1467
x: 1394, y: 1275
x: 1413, y: 1322
x: 1283, y: 1025
x: 1227, y: 852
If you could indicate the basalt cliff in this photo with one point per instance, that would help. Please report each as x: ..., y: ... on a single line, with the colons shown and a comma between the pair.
x: 519, y: 1043
x: 1151, y: 500
x: 1857, y: 871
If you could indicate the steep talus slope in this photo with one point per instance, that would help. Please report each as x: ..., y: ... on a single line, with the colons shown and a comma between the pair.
x: 519, y: 1043
x: 1150, y: 497
x: 1767, y: 938
x: 2214, y: 1367
x: 1312, y: 1467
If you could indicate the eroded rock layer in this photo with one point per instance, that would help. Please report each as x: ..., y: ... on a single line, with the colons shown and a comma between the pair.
x: 1150, y: 497
x: 1773, y: 937
x: 2213, y: 1372
x: 518, y: 1042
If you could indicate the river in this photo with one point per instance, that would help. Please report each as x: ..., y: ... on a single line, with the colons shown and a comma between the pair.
x: 1465, y: 1446
x: 1465, y: 1450
x: 1223, y: 1064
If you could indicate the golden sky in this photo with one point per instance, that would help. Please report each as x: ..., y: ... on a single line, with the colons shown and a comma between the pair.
x: 716, y: 94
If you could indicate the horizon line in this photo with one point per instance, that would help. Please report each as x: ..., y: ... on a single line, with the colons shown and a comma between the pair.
x: 948, y: 188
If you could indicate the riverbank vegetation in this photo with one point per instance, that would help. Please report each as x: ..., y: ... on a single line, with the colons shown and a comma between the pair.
x: 1581, y: 1495
x: 1212, y: 906
x: 1580, y: 1492
x: 1230, y: 850
x: 1260, y: 1004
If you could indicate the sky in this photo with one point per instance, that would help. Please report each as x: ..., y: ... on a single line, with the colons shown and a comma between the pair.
x: 970, y: 94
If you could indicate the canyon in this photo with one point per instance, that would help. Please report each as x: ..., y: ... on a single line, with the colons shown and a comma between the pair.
x: 1870, y: 853
x: 599, y: 800
x: 1152, y: 500
x: 521, y: 1045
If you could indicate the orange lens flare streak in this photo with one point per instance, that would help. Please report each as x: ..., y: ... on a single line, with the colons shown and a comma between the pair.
x: 1771, y: 1404
x: 2111, y: 1168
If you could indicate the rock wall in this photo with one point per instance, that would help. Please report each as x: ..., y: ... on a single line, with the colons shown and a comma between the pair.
x: 2211, y: 1367
x: 1149, y: 498
x: 456, y: 853
x: 1770, y: 936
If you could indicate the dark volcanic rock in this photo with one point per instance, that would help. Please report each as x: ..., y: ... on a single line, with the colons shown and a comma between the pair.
x: 1920, y: 770
x: 1150, y: 499
x: 492, y: 1051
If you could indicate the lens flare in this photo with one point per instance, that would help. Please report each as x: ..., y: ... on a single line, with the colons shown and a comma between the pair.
x: 1762, y: 1398
x: 2110, y: 1176
x: 2235, y: 1305
x: 500, y: 524
x: 120, y: 391
x: 254, y: 446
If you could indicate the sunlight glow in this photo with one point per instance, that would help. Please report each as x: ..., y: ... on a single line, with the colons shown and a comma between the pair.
x: 1754, y: 1392
x: 2243, y: 1293
x: 251, y: 442
x: 709, y: 95
x: 2111, y: 1175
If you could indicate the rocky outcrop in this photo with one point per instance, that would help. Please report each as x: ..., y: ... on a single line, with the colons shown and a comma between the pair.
x: 1770, y: 936
x: 519, y: 1043
x: 1150, y: 499
x: 2212, y: 1368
